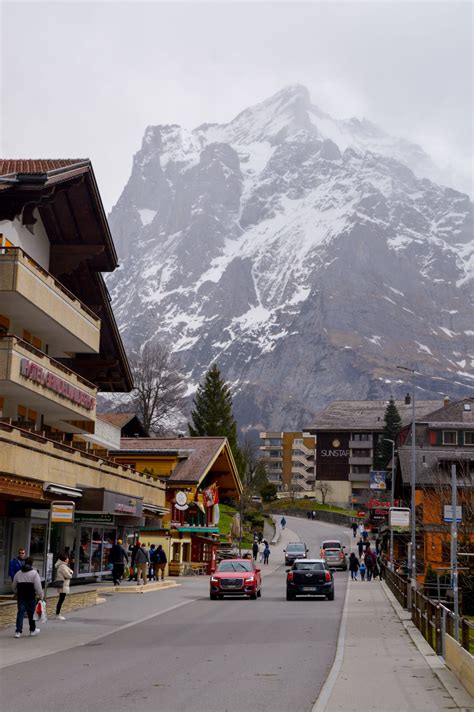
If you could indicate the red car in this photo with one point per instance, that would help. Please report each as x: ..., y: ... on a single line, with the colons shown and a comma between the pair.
x: 236, y: 577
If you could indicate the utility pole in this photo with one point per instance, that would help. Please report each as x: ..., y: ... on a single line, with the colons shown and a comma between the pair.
x: 413, y: 482
x: 388, y: 440
x: 454, y: 550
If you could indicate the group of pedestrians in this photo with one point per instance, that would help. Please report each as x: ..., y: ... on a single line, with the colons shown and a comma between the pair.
x: 146, y: 564
x: 262, y: 550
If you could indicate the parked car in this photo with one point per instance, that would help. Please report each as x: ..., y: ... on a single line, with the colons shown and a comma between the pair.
x: 236, y: 577
x: 295, y: 550
x: 309, y: 577
x: 335, y: 559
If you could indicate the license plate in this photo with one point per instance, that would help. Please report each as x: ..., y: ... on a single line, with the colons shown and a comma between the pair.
x: 309, y: 588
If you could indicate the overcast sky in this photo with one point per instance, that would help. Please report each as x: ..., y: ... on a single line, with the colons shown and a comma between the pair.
x: 84, y: 79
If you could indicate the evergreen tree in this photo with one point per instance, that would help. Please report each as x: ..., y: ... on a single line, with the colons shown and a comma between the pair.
x: 391, y: 428
x: 212, y: 414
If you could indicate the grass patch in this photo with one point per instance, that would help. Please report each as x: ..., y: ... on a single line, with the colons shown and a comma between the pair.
x: 306, y: 505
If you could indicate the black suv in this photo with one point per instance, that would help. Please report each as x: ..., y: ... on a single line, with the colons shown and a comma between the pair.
x: 295, y: 550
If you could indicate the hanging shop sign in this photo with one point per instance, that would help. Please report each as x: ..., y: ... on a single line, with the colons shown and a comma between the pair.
x: 448, y: 513
x: 181, y: 501
x: 38, y: 374
x: 62, y: 512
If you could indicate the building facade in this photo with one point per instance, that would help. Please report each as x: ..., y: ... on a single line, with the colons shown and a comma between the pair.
x: 347, y: 434
x: 60, y: 346
x: 290, y: 462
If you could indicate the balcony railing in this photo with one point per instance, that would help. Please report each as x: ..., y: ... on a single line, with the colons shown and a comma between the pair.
x: 42, y: 295
x: 360, y: 460
x: 359, y: 444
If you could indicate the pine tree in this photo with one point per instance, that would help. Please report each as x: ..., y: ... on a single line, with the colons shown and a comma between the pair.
x: 212, y: 414
x: 391, y: 428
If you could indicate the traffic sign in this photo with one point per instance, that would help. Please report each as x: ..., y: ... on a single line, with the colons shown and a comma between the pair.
x: 448, y: 513
x: 399, y: 517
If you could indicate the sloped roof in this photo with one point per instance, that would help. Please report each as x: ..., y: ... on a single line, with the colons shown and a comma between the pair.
x: 53, y: 169
x: 197, y: 454
x: 116, y: 419
x: 427, y: 464
x: 453, y: 413
x: 368, y: 414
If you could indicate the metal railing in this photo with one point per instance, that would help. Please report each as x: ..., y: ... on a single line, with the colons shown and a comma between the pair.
x: 432, y: 618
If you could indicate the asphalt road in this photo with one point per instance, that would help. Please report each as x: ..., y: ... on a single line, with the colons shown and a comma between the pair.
x: 203, y: 656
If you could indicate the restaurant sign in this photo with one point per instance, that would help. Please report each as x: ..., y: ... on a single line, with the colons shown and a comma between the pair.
x: 38, y: 374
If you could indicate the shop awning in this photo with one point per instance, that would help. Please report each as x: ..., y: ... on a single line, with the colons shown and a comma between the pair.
x: 53, y: 488
x: 198, y: 530
x: 154, y: 508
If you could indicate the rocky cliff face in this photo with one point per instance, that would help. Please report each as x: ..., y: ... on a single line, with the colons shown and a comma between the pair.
x: 307, y: 256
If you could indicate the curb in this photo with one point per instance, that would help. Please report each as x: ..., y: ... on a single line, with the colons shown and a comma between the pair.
x: 325, y: 693
x: 460, y: 696
x: 148, y: 588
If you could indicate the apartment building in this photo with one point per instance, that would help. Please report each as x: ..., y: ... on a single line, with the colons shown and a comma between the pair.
x: 289, y: 457
x: 60, y: 346
x: 347, y: 434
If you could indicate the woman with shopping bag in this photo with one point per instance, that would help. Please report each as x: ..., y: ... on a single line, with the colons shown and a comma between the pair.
x: 61, y: 582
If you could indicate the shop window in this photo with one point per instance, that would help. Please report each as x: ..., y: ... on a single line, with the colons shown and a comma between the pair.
x: 450, y: 437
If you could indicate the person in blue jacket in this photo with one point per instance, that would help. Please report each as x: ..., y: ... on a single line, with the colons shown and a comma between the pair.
x: 17, y: 563
x: 283, y: 522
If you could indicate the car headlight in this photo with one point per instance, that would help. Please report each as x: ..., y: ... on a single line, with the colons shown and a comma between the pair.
x: 251, y: 579
x: 214, y: 579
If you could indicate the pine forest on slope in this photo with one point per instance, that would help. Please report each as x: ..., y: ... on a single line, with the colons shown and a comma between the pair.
x: 307, y: 256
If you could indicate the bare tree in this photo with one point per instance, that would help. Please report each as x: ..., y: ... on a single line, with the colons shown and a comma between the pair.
x: 158, y: 396
x: 324, y: 488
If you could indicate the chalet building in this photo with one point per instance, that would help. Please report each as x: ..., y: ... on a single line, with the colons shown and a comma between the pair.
x: 444, y: 437
x: 198, y: 473
x: 59, y: 347
x: 289, y: 459
x: 347, y: 434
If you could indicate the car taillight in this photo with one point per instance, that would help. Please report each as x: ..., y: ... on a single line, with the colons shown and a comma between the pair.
x: 328, y: 576
x: 290, y: 576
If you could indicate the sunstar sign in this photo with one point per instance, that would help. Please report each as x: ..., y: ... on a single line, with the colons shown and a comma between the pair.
x: 38, y: 374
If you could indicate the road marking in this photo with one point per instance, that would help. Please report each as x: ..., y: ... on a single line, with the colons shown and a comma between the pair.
x: 98, y: 637
x: 326, y: 690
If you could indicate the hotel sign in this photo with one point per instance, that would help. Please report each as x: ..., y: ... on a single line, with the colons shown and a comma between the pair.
x: 38, y: 374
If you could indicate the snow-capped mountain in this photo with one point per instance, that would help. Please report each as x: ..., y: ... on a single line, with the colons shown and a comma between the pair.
x: 308, y: 256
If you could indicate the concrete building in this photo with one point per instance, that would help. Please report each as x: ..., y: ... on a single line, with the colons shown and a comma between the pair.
x: 60, y: 346
x: 289, y: 458
x: 347, y: 433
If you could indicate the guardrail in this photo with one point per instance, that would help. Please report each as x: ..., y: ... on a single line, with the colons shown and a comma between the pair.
x: 433, y: 619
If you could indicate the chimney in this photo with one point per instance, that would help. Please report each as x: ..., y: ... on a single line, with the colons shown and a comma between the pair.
x: 407, y: 399
x: 446, y: 401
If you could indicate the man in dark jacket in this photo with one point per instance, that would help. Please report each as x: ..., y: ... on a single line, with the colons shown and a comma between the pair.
x: 17, y: 563
x: 27, y: 586
x: 142, y: 559
x: 255, y: 550
x: 369, y: 559
x: 133, y: 550
x: 161, y: 562
x: 117, y: 557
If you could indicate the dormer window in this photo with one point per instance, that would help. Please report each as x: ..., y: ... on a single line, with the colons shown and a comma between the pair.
x: 450, y: 437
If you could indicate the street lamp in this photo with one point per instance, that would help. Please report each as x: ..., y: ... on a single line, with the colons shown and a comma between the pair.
x: 388, y: 440
x: 413, y: 481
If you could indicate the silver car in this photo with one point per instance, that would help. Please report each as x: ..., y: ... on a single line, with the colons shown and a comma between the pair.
x: 335, y: 559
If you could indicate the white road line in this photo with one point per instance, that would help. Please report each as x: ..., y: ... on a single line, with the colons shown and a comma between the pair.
x: 326, y: 690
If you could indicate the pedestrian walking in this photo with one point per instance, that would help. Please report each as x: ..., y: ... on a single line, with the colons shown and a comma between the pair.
x: 254, y: 550
x: 365, y: 535
x: 283, y: 522
x: 362, y: 570
x: 353, y: 566
x: 354, y: 529
x: 266, y: 553
x: 61, y: 582
x: 117, y: 557
x: 133, y: 555
x: 17, y: 563
x: 153, y: 562
x: 360, y: 546
x: 369, y: 562
x: 308, y: 514
x: 366, y: 544
x: 261, y: 550
x: 142, y: 559
x: 361, y: 529
x: 378, y: 542
x: 27, y: 586
x: 260, y: 537
x: 161, y: 561
x: 313, y: 514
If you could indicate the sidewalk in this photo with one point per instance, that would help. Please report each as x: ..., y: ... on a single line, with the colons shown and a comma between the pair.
x: 381, y: 668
